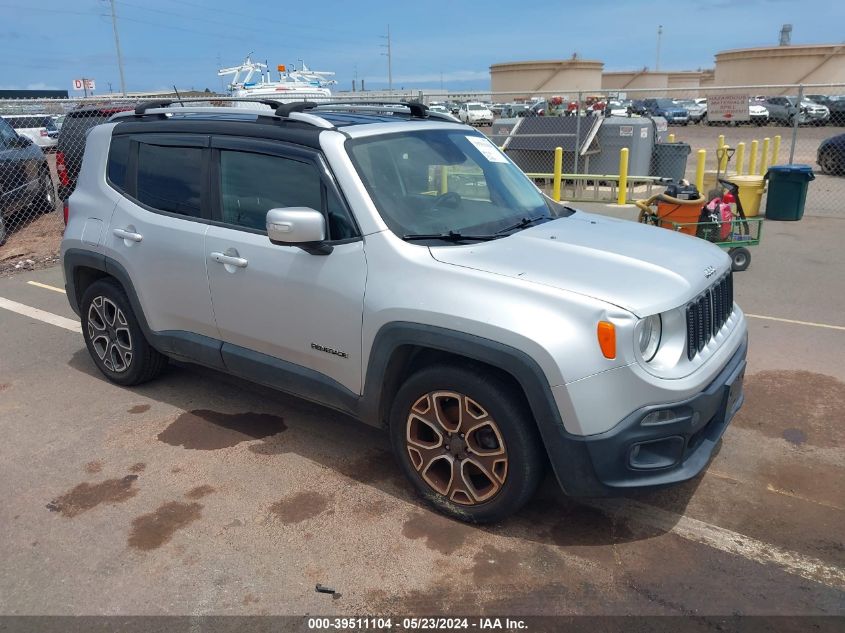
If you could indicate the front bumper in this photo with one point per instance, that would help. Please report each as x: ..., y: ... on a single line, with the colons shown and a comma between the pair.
x: 632, y: 455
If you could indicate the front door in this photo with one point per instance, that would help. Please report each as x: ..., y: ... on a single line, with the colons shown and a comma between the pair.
x: 281, y: 301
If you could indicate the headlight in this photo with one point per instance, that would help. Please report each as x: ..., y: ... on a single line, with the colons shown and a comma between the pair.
x: 650, y: 330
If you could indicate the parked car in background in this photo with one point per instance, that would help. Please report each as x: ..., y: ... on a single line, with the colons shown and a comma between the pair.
x: 618, y: 108
x: 39, y: 128
x: 695, y: 110
x: 514, y: 110
x: 441, y: 109
x: 758, y: 113
x: 475, y: 113
x: 831, y: 155
x: 637, y: 106
x: 72, y: 141
x: 667, y: 109
x: 785, y: 109
x: 835, y: 104
x: 25, y: 179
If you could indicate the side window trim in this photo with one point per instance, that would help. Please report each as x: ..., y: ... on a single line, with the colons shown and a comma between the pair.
x: 280, y: 149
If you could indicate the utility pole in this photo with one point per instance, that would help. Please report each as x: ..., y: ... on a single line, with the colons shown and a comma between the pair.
x: 659, y: 35
x: 389, y: 55
x: 117, y: 47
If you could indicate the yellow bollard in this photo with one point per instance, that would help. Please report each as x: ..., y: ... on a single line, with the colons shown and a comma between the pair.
x: 752, y: 158
x: 723, y: 158
x: 671, y: 138
x: 764, y: 157
x: 740, y: 157
x: 699, y: 169
x: 721, y: 140
x: 622, y: 198
x: 444, y: 179
x: 775, y: 150
x: 558, y: 170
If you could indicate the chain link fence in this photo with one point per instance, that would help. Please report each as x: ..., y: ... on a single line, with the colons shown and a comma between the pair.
x: 597, y: 148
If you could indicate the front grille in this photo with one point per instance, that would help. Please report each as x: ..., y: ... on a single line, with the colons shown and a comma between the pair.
x: 708, y: 313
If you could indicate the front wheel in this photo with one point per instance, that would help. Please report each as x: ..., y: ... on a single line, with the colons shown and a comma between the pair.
x: 740, y: 258
x: 114, y: 338
x: 467, y: 442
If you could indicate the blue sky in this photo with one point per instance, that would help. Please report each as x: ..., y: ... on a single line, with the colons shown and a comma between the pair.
x: 47, y: 43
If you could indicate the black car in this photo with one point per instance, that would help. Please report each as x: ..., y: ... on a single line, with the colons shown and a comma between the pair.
x: 25, y: 179
x: 637, y: 106
x: 831, y: 156
x: 72, y: 141
x: 834, y: 103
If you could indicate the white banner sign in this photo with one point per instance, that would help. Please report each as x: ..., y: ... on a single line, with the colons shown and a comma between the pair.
x: 83, y: 84
x: 727, y: 108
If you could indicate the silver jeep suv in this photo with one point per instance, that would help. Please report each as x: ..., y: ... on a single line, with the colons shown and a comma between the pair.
x: 395, y: 265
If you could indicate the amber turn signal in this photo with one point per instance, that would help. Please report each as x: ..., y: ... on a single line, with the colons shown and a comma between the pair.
x: 606, y: 333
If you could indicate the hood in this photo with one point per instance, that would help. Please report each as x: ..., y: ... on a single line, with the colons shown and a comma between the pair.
x: 757, y: 109
x: 642, y: 269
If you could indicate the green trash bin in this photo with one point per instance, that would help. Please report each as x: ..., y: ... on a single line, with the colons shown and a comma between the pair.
x: 787, y: 191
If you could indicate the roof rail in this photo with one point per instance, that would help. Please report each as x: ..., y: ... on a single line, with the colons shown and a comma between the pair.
x: 142, y: 108
x: 280, y: 110
x: 418, y: 110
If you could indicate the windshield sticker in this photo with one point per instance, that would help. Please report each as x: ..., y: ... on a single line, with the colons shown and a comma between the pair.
x: 487, y: 149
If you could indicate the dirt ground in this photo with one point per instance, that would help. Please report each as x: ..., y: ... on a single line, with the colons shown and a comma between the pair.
x: 32, y: 244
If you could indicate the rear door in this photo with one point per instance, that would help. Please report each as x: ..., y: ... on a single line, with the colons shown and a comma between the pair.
x: 158, y: 228
x: 283, y: 302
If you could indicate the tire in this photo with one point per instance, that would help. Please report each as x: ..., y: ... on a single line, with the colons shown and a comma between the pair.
x: 499, y: 462
x: 114, y: 338
x: 3, y: 233
x: 740, y: 258
x: 829, y: 166
x: 46, y: 200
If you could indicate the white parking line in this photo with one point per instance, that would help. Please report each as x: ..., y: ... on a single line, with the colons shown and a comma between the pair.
x: 40, y: 315
x: 46, y: 286
x: 724, y: 540
x: 794, y: 322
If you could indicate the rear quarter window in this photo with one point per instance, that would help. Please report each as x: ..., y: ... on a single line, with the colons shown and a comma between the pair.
x: 117, y: 162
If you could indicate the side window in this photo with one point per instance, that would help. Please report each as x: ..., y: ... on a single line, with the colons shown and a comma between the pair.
x: 7, y: 134
x: 252, y: 184
x: 118, y: 159
x: 170, y: 178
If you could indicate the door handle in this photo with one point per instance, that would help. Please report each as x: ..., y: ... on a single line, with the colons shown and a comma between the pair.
x: 127, y: 235
x: 229, y: 260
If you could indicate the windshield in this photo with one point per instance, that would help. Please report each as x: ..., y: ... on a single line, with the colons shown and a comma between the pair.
x: 476, y: 106
x: 437, y: 181
x: 665, y: 103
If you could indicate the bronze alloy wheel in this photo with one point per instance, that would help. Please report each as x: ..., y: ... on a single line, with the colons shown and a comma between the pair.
x: 456, y: 447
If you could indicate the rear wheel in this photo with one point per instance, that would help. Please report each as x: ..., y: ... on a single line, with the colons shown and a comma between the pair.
x: 467, y: 443
x: 46, y: 201
x: 3, y: 234
x: 114, y: 338
x: 829, y: 164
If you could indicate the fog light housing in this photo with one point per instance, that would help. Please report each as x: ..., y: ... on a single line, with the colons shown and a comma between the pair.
x: 655, y: 454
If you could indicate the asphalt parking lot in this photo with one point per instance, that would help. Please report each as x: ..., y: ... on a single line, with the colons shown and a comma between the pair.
x: 199, y: 493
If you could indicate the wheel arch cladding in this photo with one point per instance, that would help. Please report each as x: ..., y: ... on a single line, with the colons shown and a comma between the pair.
x: 400, y: 347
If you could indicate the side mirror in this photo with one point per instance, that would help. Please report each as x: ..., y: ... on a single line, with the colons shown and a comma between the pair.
x: 298, y: 226
x: 22, y: 141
